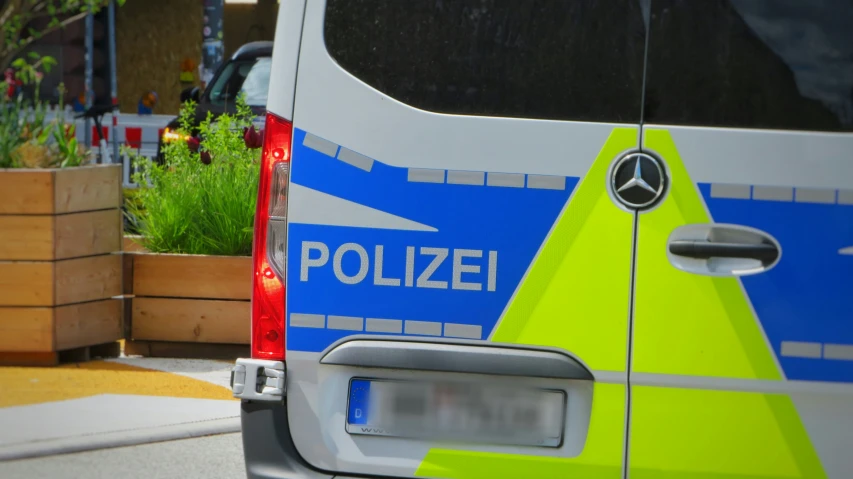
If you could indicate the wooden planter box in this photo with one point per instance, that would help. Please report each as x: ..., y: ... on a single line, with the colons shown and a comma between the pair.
x: 60, y: 271
x: 188, y: 305
x: 133, y: 244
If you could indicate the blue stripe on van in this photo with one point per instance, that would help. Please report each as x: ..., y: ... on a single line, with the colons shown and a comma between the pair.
x: 808, y: 295
x: 513, y: 221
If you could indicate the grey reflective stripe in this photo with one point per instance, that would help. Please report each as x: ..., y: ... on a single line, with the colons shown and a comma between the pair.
x: 307, y: 320
x: 773, y: 193
x: 388, y: 326
x: 740, y: 192
x: 611, y: 377
x: 732, y: 384
x: 782, y: 193
x: 355, y: 159
x: 427, y: 328
x: 543, y: 182
x: 814, y: 195
x: 468, y: 331
x: 384, y: 325
x: 349, y: 323
x: 325, y: 147
x: 838, y: 351
x: 419, y: 175
x: 466, y: 177
x: 846, y: 251
x: 505, y: 179
x: 797, y: 349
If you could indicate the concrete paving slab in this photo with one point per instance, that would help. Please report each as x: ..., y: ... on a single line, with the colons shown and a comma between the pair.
x: 109, y: 420
x: 104, y: 404
x: 214, y: 457
x: 105, y: 413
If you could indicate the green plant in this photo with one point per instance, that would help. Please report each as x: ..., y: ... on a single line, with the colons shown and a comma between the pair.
x: 27, y: 139
x: 16, y: 17
x: 202, y: 199
x: 69, y: 152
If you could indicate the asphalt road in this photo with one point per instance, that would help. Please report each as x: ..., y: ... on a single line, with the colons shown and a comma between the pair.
x: 213, y: 457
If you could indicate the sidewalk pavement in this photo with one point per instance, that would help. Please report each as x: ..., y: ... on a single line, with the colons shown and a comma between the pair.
x: 111, y: 403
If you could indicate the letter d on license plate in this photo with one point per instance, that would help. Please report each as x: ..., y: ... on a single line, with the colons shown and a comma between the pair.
x: 470, y: 412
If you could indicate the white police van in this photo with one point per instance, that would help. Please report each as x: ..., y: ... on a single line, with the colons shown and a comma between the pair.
x: 568, y: 239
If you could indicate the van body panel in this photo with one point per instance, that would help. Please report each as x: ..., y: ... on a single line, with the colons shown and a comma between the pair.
x: 285, y: 58
x: 737, y: 366
x: 411, y: 224
x: 459, y: 193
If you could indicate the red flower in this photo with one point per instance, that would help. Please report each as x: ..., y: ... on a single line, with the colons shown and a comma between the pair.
x: 252, y: 138
x: 205, y: 157
x: 193, y: 143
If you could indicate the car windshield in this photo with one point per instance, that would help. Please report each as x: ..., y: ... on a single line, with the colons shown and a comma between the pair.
x: 249, y: 77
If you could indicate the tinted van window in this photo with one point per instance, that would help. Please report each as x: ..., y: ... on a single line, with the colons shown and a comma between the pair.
x: 784, y: 64
x: 567, y: 60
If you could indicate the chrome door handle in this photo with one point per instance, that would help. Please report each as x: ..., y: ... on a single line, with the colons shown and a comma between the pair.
x: 722, y: 250
x: 765, y: 252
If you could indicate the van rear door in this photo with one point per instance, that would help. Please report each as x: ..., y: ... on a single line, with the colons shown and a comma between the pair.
x: 747, y: 352
x: 448, y: 209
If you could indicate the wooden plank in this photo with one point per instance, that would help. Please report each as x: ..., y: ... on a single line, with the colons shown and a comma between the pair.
x: 26, y: 329
x: 26, y: 283
x: 87, y: 324
x: 191, y: 320
x: 88, y: 234
x: 136, y: 348
x: 164, y: 349
x: 88, y: 279
x: 88, y: 188
x: 192, y: 276
x: 127, y: 274
x: 29, y: 359
x: 26, y: 192
x: 26, y: 237
x: 132, y: 244
x: 74, y: 355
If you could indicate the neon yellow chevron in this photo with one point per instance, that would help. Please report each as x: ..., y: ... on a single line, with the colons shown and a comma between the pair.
x: 575, y: 295
x: 705, y: 434
x: 686, y: 323
x: 601, y: 457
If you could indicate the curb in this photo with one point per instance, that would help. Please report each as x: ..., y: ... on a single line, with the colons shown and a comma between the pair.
x: 133, y: 437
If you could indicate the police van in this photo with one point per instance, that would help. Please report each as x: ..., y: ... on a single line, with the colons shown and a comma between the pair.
x: 568, y: 239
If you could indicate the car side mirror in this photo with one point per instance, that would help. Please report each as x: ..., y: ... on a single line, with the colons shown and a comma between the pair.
x: 190, y: 93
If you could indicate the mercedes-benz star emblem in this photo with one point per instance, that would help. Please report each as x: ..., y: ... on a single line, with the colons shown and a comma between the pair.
x: 638, y: 180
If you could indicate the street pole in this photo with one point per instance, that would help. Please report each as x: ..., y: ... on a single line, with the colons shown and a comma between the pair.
x: 213, y: 49
x: 90, y: 47
x: 111, y: 41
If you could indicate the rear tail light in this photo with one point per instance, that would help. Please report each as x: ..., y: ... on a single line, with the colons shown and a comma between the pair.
x: 268, y: 253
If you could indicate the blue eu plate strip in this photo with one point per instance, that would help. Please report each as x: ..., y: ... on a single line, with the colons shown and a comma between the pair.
x: 358, y: 400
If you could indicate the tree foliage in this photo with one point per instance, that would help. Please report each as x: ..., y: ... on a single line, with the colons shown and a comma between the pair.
x: 17, y: 17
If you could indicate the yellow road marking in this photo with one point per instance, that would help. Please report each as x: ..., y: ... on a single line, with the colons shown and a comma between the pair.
x: 22, y: 385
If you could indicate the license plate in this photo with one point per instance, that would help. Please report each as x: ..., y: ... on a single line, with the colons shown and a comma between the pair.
x: 467, y: 412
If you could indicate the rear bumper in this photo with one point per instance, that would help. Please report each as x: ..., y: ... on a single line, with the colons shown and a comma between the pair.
x: 268, y: 446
